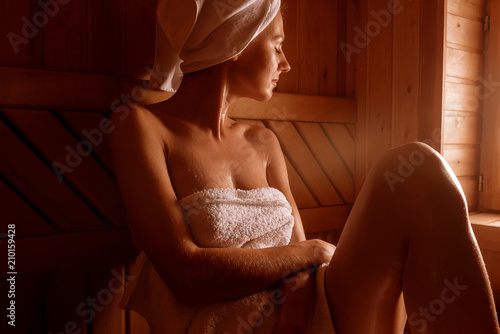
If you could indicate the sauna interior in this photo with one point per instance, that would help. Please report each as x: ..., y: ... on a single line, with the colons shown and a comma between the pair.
x: 367, y: 75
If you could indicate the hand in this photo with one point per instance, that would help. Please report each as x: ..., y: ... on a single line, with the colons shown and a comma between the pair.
x: 316, y: 251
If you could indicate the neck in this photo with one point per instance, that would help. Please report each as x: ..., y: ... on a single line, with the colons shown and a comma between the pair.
x: 204, y: 99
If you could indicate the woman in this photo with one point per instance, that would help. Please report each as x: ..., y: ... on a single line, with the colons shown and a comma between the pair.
x: 175, y: 158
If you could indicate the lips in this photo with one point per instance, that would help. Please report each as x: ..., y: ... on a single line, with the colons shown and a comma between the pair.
x: 275, y: 82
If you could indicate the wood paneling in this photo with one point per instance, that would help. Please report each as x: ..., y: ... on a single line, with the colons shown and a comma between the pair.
x: 463, y: 92
x: 490, y: 148
x: 65, y: 38
x: 73, y: 159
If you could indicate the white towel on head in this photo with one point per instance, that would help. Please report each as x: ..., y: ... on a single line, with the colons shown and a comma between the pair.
x: 192, y: 35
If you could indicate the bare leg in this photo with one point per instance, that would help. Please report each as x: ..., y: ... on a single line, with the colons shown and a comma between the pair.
x: 409, y: 232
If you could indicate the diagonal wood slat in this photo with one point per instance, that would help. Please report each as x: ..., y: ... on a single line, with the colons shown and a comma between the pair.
x: 28, y: 222
x: 301, y: 194
x: 343, y: 143
x: 328, y: 159
x: 57, y: 144
x: 95, y: 126
x: 37, y: 182
x: 303, y: 161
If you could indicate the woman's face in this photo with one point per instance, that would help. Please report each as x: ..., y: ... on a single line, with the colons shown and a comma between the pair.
x: 255, y: 72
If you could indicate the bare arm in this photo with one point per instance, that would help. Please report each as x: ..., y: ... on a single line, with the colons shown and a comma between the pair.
x: 193, y: 274
x: 277, y: 177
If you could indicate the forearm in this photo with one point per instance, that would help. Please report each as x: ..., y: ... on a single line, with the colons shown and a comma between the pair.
x: 216, y: 274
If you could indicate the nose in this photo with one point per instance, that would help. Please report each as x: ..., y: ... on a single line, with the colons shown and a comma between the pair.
x: 285, y: 65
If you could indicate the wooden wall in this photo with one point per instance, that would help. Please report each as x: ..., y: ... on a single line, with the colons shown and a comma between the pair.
x: 116, y: 37
x: 397, y: 49
x: 112, y: 37
x: 465, y: 81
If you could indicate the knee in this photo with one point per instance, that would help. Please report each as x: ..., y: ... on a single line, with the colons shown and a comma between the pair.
x: 418, y: 167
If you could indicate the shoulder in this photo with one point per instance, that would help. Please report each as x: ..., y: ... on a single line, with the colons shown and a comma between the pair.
x: 259, y: 135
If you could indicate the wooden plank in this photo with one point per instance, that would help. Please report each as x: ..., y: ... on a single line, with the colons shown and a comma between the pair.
x: 490, y: 159
x: 328, y: 159
x: 81, y: 250
x: 342, y: 65
x: 36, y: 89
x: 464, y: 33
x: 301, y: 194
x: 343, y: 142
x: 460, y: 97
x: 297, y: 107
x: 303, y: 161
x: 140, y: 37
x: 65, y: 39
x: 464, y: 160
x: 73, y: 161
x: 462, y: 128
x: 106, y: 283
x: 406, y: 75
x: 318, y: 27
x: 379, y: 88
x: 105, y: 37
x: 488, y: 236
x: 469, y: 186
x: 464, y: 64
x: 28, y: 222
x: 472, y: 9
x: 485, y: 218
x: 15, y: 40
x: 37, y: 181
x: 358, y: 17
x: 432, y: 69
x: 86, y: 125
x: 352, y: 15
x: 325, y: 218
x: 289, y: 82
x: 65, y: 304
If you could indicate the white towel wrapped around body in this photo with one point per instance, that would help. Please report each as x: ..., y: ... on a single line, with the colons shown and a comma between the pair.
x: 255, y: 218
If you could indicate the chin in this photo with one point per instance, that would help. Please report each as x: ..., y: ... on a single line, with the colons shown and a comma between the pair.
x: 263, y: 96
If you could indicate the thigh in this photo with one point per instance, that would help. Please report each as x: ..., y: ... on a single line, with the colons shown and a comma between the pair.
x: 364, y: 278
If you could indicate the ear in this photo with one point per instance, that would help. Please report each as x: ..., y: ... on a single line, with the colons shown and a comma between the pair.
x: 235, y: 58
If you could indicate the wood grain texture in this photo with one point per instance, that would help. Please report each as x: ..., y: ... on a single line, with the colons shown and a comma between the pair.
x: 325, y: 218
x: 464, y: 33
x: 65, y: 38
x: 73, y: 160
x: 406, y: 75
x: 81, y: 250
x: 490, y: 158
x: 328, y: 158
x: 462, y: 128
x: 28, y: 222
x: 472, y: 9
x: 16, y: 40
x: 106, y: 37
x: 304, y: 163
x: 318, y: 48
x: 37, y: 181
x: 462, y: 97
x: 432, y: 69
